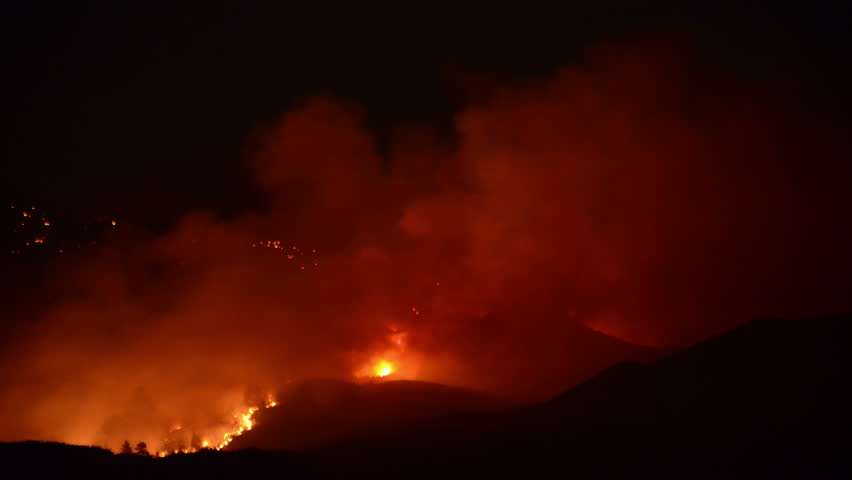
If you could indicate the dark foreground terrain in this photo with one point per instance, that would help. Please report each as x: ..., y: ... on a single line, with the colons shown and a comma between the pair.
x: 767, y: 400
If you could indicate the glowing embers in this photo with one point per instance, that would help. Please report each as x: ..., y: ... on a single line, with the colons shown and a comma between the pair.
x: 31, y: 231
x: 292, y: 252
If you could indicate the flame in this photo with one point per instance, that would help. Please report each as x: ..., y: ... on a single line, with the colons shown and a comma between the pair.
x: 244, y: 424
x: 243, y: 421
x: 383, y: 368
x: 389, y: 360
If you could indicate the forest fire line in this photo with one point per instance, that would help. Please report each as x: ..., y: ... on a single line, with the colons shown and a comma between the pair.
x: 243, y: 421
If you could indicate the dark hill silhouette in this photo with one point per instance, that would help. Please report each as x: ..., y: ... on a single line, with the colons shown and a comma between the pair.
x: 321, y: 412
x: 767, y: 400
x: 57, y: 460
x: 551, y: 360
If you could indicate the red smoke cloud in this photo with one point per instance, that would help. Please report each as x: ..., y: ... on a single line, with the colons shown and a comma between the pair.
x: 639, y: 194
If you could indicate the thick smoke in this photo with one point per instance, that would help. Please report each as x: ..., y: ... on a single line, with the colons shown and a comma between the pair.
x: 638, y: 197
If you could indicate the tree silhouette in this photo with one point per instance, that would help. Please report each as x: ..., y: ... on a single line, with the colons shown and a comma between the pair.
x: 142, y: 449
x: 125, y: 448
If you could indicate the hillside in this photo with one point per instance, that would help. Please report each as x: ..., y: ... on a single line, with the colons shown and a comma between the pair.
x: 769, y: 398
x: 319, y: 413
x: 766, y: 400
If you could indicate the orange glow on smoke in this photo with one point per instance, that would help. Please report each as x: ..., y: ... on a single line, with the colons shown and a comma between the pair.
x: 389, y: 360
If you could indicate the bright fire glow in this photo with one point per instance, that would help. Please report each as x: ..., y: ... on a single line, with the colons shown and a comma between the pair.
x: 383, y: 368
x: 243, y: 421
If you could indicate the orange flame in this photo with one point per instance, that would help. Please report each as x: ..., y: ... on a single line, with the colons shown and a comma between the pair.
x: 383, y: 368
x: 243, y: 421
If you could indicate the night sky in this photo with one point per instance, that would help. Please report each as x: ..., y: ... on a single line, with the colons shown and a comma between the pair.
x: 144, y: 111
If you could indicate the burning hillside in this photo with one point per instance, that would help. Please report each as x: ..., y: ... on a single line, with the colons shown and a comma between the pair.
x: 572, y: 221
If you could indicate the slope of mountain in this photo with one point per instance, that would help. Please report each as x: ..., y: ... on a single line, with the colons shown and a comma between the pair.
x: 57, y: 460
x: 321, y: 412
x: 767, y: 399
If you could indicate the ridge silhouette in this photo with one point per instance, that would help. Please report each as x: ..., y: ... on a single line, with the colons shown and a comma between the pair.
x: 768, y: 400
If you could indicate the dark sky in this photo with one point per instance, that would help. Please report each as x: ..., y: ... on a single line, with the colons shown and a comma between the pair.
x: 144, y: 111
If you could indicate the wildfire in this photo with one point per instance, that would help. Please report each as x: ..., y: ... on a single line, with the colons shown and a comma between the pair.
x: 389, y: 360
x: 243, y: 421
x: 383, y: 368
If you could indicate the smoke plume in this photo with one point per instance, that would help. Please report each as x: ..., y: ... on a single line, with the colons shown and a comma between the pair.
x: 643, y: 196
